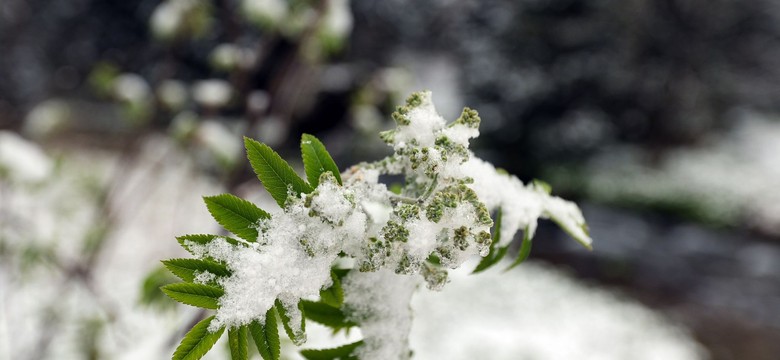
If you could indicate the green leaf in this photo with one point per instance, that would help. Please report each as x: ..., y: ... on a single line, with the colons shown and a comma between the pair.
x: 203, y: 296
x: 236, y: 214
x: 267, y: 336
x: 317, y: 160
x: 297, y: 338
x: 491, y: 259
x: 275, y: 173
x: 525, y: 249
x: 496, y: 253
x: 202, y: 239
x: 186, y: 269
x: 542, y: 185
x: 334, y: 295
x: 198, y: 341
x: 326, y: 315
x: 150, y: 288
x: 238, y: 342
x: 343, y: 352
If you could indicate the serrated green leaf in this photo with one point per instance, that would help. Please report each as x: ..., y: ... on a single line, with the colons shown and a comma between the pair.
x: 333, y: 295
x: 326, y: 315
x: 187, y: 269
x: 236, y: 214
x: 525, y: 249
x: 343, y: 352
x: 199, y: 295
x: 275, y: 173
x: 297, y: 339
x: 202, y: 239
x: 267, y: 336
x: 197, y: 342
x: 317, y: 160
x: 238, y: 343
x: 496, y: 252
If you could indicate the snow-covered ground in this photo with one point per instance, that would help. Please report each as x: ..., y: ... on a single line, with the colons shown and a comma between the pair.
x: 730, y: 179
x: 533, y: 312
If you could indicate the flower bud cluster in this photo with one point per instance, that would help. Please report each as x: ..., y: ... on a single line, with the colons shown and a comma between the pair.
x: 438, y: 216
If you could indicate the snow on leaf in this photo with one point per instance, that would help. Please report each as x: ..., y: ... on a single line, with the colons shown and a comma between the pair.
x: 496, y: 252
x: 296, y: 332
x: 188, y: 269
x: 187, y: 241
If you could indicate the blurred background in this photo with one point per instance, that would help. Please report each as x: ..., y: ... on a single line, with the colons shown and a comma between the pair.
x: 661, y: 118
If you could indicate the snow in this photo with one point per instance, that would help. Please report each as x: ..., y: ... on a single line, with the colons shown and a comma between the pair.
x: 537, y: 312
x: 383, y: 312
x: 172, y: 93
x: 225, y: 144
x: 424, y: 125
x: 298, y: 247
x: 54, y: 219
x: 166, y: 19
x: 131, y: 88
x: 741, y: 168
x: 225, y: 56
x: 212, y: 93
x: 46, y: 118
x: 521, y: 205
x: 265, y: 11
x: 170, y: 16
x: 337, y: 20
x: 22, y: 160
x: 160, y: 198
x: 387, y: 236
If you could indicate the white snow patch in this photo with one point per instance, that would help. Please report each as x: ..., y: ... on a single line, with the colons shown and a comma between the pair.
x: 536, y: 312
x: 379, y: 302
x: 212, y: 93
x: 22, y: 160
